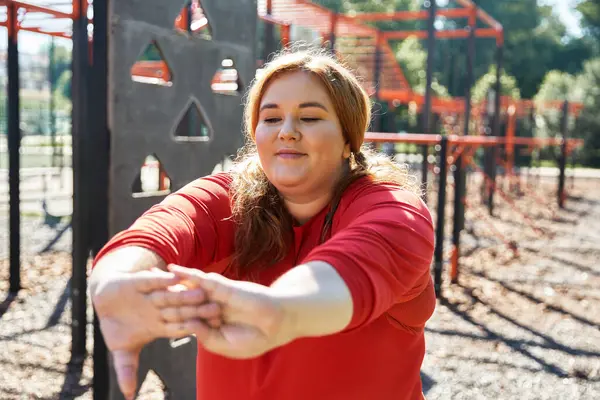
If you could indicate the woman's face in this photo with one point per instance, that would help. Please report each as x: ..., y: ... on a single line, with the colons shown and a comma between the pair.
x: 299, y: 137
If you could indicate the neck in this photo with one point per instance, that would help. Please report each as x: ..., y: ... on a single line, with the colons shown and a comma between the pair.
x: 304, y: 208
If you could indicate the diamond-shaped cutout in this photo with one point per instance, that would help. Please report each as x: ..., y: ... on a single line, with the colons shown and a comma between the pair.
x: 192, y: 125
x: 152, y: 180
x: 151, y: 67
x: 227, y: 79
x: 193, y: 20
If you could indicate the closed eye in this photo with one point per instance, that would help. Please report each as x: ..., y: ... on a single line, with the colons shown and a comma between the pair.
x: 272, y: 120
x: 311, y: 119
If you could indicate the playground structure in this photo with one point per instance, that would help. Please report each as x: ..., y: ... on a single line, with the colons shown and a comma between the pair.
x: 196, y: 99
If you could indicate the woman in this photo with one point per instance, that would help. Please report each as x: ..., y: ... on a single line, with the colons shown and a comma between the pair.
x: 319, y: 252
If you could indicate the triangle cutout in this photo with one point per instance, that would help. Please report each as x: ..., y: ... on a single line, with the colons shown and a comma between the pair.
x: 227, y: 79
x: 151, y: 67
x: 192, y: 20
x: 152, y: 180
x: 192, y: 126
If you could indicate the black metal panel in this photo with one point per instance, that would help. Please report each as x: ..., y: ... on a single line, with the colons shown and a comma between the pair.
x: 143, y: 118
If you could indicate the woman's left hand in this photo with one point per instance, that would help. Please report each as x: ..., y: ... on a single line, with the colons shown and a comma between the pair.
x: 253, y: 320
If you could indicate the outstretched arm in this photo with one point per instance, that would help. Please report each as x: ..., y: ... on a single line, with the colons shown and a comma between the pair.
x: 309, y: 300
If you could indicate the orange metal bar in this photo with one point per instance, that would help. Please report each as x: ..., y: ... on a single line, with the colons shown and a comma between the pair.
x: 285, y: 35
x: 485, y: 17
x: 451, y: 34
x: 274, y: 21
x: 454, y: 264
x: 417, y: 138
x: 11, y: 20
x: 36, y: 8
x: 478, y: 141
x: 38, y: 30
x: 409, y: 15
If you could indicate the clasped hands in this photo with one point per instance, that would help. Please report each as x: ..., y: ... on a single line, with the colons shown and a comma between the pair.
x: 232, y: 318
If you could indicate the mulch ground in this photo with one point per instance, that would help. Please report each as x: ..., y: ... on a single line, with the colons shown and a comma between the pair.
x: 514, y: 326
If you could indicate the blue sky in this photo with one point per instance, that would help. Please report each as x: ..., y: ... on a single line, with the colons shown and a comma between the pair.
x: 565, y: 9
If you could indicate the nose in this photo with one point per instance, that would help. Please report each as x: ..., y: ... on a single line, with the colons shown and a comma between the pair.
x: 289, y: 130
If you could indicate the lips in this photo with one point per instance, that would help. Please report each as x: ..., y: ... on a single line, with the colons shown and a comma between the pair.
x: 289, y: 153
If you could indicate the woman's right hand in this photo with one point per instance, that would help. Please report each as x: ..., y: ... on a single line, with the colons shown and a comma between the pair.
x: 131, y: 317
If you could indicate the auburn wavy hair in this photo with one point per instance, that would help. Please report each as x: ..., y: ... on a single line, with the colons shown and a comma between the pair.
x: 264, y: 226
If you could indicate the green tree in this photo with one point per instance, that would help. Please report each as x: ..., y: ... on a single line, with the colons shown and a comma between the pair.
x: 590, y: 13
x: 557, y: 86
x: 413, y: 59
x: 587, y: 125
x: 488, y: 81
x: 63, y: 86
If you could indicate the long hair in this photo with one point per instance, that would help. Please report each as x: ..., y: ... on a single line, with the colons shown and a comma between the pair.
x: 264, y: 226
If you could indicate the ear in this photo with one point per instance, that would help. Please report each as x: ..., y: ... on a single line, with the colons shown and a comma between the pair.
x: 347, y: 152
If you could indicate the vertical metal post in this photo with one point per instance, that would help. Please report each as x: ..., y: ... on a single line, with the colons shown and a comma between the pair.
x: 52, y: 105
x: 441, y: 215
x: 573, y: 163
x: 81, y: 181
x: 332, y: 31
x: 497, y: 119
x: 99, y: 134
x: 562, y: 160
x: 377, y: 79
x: 428, y: 91
x: 14, y: 145
x: 460, y: 184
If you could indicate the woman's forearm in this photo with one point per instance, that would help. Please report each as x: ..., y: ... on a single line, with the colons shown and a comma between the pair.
x: 316, y: 297
x: 126, y: 259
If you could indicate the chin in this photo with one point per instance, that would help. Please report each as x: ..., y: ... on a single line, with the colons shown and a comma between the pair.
x: 288, y: 182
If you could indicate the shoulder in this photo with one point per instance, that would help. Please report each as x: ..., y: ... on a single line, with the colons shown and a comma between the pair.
x: 211, y: 193
x: 218, y: 185
x: 388, y: 200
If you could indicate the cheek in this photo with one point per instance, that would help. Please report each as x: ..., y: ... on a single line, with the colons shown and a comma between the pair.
x: 329, y: 144
x: 261, y: 138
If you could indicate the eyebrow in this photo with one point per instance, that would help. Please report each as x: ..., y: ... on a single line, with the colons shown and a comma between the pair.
x: 302, y: 105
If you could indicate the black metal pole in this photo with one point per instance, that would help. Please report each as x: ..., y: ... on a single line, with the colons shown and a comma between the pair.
x: 573, y: 164
x: 377, y: 80
x: 81, y: 184
x: 14, y: 145
x: 496, y: 127
x: 428, y: 92
x: 98, y: 113
x: 441, y: 215
x: 52, y: 105
x: 468, y: 85
x: 562, y: 160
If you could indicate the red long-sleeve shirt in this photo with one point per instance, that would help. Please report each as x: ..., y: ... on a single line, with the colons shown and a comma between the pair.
x: 381, y: 245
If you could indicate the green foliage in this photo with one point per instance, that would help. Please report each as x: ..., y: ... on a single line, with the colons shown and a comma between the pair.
x: 584, y: 88
x: 587, y: 125
x: 63, y: 86
x: 590, y: 13
x: 488, y: 81
x: 413, y: 59
x: 557, y: 86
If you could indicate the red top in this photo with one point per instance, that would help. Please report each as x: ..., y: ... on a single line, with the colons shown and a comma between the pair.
x: 381, y: 245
